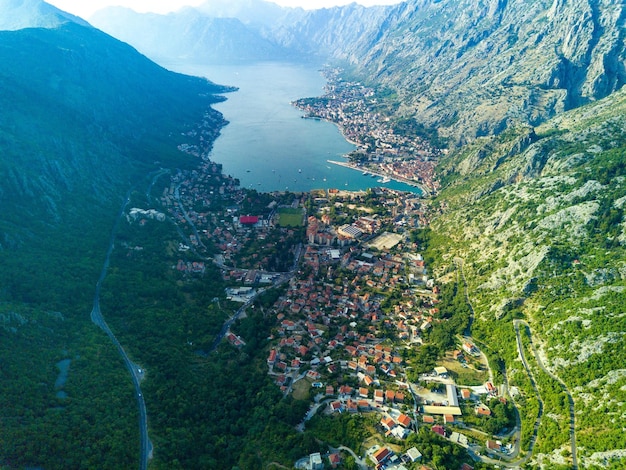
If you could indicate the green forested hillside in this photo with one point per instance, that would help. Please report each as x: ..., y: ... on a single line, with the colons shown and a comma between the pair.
x: 536, y: 219
x: 83, y: 119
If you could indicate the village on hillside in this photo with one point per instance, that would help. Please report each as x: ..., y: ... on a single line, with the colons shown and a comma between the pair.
x: 358, y: 313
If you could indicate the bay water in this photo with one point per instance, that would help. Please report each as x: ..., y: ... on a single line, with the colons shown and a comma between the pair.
x: 267, y: 144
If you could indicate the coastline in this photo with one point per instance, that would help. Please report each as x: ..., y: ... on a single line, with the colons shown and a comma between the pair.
x: 424, y: 192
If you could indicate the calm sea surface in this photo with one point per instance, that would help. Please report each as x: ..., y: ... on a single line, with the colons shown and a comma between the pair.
x: 267, y: 144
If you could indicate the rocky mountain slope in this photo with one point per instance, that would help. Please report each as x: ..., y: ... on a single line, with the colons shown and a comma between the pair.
x: 537, y: 218
x: 84, y: 118
x: 82, y: 110
x: 472, y: 69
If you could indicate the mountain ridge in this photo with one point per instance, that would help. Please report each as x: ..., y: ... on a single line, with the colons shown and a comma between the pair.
x: 20, y: 14
x: 537, y: 218
x: 189, y: 34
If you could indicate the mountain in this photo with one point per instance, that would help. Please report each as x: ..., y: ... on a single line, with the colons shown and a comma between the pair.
x: 471, y: 69
x: 19, y: 14
x: 190, y: 34
x: 257, y: 13
x: 98, y: 90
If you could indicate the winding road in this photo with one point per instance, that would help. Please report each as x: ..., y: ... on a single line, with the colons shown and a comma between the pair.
x: 572, y: 423
x: 531, y: 377
x: 136, y: 372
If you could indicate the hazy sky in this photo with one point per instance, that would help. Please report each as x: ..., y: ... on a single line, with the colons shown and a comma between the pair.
x: 85, y: 8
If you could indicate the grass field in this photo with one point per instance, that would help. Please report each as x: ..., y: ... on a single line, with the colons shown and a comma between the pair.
x: 466, y: 376
x: 290, y: 217
x: 301, y: 389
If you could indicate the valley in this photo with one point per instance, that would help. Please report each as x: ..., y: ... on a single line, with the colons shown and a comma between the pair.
x: 477, y: 323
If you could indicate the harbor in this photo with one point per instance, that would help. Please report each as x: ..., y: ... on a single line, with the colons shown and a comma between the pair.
x: 383, y: 177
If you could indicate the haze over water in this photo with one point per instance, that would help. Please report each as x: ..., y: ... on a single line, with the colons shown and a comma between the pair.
x: 267, y: 144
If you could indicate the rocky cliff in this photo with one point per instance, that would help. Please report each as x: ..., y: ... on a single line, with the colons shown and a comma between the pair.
x: 474, y: 68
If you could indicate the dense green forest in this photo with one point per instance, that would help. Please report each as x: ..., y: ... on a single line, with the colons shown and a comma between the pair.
x: 84, y: 119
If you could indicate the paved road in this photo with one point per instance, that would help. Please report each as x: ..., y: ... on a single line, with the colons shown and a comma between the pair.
x: 136, y: 372
x: 360, y: 462
x: 517, y: 431
x: 186, y: 216
x: 228, y: 323
x: 282, y: 278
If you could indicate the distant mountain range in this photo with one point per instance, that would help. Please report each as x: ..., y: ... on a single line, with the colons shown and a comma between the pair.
x: 191, y: 35
x: 464, y: 68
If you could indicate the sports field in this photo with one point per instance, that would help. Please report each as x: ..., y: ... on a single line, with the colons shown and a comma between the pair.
x: 386, y: 241
x: 290, y: 217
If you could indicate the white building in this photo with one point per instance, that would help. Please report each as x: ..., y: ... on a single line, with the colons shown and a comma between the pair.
x: 315, y: 462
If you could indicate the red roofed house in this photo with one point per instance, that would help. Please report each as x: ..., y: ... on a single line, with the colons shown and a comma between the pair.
x: 272, y: 357
x: 388, y: 423
x: 345, y: 390
x: 334, y: 459
x: 336, y: 406
x: 492, y: 445
x: 352, y: 406
x: 381, y: 455
x: 438, y: 429
x: 404, y: 420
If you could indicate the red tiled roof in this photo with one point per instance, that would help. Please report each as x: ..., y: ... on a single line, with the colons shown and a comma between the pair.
x: 248, y: 219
